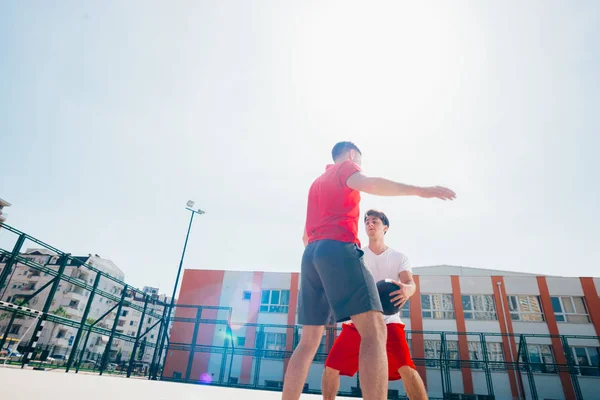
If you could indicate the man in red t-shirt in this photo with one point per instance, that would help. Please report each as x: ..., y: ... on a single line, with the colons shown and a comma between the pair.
x: 335, y: 285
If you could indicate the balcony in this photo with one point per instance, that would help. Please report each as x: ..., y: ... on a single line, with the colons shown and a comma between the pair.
x: 61, y: 342
x: 75, y: 296
x: 29, y: 286
x: 74, y: 311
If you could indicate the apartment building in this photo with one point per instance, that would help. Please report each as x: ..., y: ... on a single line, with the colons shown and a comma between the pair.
x: 130, y: 321
x: 69, y: 300
x: 480, y: 303
x: 3, y: 203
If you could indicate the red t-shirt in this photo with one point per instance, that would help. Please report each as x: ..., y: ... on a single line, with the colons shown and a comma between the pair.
x: 333, y: 207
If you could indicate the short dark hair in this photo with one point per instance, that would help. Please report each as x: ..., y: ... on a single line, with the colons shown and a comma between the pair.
x: 378, y: 214
x: 342, y: 147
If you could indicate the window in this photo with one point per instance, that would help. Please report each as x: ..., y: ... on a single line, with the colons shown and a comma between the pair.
x: 241, y: 341
x: 570, y: 309
x: 541, y: 358
x: 525, y: 308
x: 274, y: 342
x: 588, y: 360
x: 247, y: 295
x: 437, y: 306
x: 433, y: 353
x: 405, y: 311
x: 275, y: 301
x: 61, y: 333
x: 479, y: 307
x: 124, y: 313
x: 495, y: 355
x: 130, y: 323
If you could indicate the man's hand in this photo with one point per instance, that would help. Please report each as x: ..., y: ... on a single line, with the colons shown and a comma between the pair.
x: 438, y: 192
x: 400, y: 296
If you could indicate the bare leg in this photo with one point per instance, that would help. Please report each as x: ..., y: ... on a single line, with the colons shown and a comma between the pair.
x: 413, y: 384
x: 299, y: 364
x: 372, y: 359
x: 330, y: 383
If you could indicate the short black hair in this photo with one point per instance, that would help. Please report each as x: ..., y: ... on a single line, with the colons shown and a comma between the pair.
x: 342, y: 147
x: 378, y: 214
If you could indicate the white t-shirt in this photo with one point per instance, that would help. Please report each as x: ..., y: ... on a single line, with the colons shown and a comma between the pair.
x: 387, y: 265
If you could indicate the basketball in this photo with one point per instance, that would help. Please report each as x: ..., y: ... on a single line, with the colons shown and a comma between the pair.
x: 385, y: 287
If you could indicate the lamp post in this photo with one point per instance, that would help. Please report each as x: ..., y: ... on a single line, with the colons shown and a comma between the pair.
x: 190, y: 204
x: 189, y: 207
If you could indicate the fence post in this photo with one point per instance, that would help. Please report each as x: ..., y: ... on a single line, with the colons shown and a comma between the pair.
x: 10, y: 323
x: 530, y: 377
x: 486, y: 363
x: 137, y: 337
x: 47, y: 305
x: 571, y: 367
x: 188, y: 371
x: 86, y: 312
x: 162, y: 332
x: 11, y: 262
x: 258, y: 352
x: 106, y: 355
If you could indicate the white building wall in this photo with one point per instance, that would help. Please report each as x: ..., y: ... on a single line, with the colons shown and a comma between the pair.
x: 476, y: 285
x: 548, y: 386
x: 565, y: 328
x: 479, y: 382
x: 315, y: 374
x: 530, y: 327
x: 501, y: 384
x: 563, y: 286
x: 434, y: 382
x: 435, y: 284
x: 523, y: 285
x: 589, y: 387
x: 439, y: 325
x: 276, y: 280
x: 235, y: 283
x: 597, y: 284
x: 482, y: 326
x: 271, y: 370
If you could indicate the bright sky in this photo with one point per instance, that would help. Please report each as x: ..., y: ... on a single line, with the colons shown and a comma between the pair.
x: 113, y: 114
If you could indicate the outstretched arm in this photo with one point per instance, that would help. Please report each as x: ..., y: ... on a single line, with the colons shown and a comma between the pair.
x: 305, y: 238
x: 385, y: 187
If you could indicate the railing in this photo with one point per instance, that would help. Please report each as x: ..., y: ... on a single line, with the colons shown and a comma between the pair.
x: 205, y: 346
x: 203, y: 350
x: 136, y: 350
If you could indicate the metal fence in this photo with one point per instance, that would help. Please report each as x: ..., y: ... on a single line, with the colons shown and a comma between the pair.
x: 21, y: 300
x: 205, y: 348
x: 201, y: 344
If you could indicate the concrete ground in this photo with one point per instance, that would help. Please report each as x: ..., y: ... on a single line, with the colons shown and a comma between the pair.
x: 17, y: 384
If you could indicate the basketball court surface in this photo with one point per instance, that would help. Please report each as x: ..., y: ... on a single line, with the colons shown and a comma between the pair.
x: 17, y: 384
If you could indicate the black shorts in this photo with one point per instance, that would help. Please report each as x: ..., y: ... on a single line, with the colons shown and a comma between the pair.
x: 335, y: 284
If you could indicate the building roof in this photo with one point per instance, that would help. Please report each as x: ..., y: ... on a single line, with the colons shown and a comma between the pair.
x: 4, y: 203
x: 432, y: 270
x: 468, y: 271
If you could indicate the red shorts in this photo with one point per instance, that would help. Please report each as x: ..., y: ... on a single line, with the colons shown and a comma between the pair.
x: 343, y: 356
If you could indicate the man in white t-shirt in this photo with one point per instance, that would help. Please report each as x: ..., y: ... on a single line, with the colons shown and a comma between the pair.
x: 384, y: 263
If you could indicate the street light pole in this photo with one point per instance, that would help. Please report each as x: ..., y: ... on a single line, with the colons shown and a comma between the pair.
x: 190, y: 204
